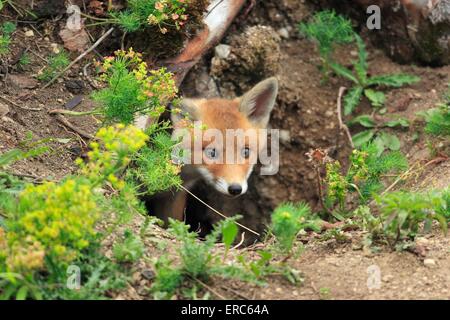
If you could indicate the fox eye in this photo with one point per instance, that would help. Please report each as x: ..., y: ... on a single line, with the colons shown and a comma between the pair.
x: 246, y: 152
x: 211, y: 153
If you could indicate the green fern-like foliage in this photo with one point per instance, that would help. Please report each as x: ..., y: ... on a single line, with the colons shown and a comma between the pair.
x: 328, y: 29
x: 56, y: 63
x: 5, y: 37
x: 377, y: 165
x: 154, y: 170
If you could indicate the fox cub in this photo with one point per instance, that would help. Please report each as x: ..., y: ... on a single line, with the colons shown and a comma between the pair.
x: 221, y: 142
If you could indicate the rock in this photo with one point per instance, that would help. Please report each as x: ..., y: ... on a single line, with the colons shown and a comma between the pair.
x: 222, y: 51
x: 22, y: 82
x: 148, y: 274
x: 284, y: 33
x: 422, y: 25
x: 429, y: 262
x: 75, y: 86
x: 55, y: 48
x: 4, y: 109
x: 285, y: 136
x: 29, y: 33
x: 75, y: 40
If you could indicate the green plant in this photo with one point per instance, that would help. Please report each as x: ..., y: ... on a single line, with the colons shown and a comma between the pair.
x: 163, y: 14
x: 438, y: 119
x: 402, y: 213
x: 131, y: 89
x: 52, y: 225
x: 365, y: 85
x: 375, y: 133
x: 154, y: 170
x: 198, y: 260
x: 56, y: 63
x: 7, y: 30
x: 363, y: 176
x: 328, y: 29
x: 24, y: 61
x: 130, y: 250
x: 287, y: 221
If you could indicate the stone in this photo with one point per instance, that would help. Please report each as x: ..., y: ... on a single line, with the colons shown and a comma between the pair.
x: 29, y: 33
x: 429, y: 262
x: 22, y: 82
x: 222, y: 51
x: 4, y: 109
x: 284, y: 33
x: 285, y: 136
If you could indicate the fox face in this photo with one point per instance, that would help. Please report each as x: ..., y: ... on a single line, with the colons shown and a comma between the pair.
x: 224, y: 137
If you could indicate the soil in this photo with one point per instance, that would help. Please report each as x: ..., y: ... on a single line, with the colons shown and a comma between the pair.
x: 306, y: 114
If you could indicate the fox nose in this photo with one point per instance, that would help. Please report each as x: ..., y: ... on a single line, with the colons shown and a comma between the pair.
x: 235, y: 189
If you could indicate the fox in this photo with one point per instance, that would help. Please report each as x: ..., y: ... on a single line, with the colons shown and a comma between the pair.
x: 245, y: 115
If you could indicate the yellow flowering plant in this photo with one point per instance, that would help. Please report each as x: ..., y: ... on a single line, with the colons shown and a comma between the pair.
x: 53, y: 224
x: 132, y: 89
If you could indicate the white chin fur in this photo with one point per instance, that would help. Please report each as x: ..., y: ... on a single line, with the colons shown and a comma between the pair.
x: 220, y: 184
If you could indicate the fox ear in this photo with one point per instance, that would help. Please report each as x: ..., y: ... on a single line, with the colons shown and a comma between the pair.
x: 187, y: 109
x: 257, y: 104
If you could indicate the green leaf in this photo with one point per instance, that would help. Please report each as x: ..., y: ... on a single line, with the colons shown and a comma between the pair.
x: 379, y: 145
x: 22, y: 293
x: 229, y: 233
x: 393, y: 80
x: 399, y: 122
x: 390, y: 141
x: 362, y: 138
x: 377, y: 98
x: 364, y: 120
x: 352, y: 99
x: 343, y: 72
x: 361, y: 66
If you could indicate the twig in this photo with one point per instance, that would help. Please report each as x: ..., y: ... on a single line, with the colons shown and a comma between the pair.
x: 81, y: 56
x: 66, y: 122
x: 210, y: 289
x: 217, y: 212
x: 235, y: 292
x: 38, y: 55
x: 240, y: 242
x: 342, y: 125
x: 19, y: 106
x: 320, y: 190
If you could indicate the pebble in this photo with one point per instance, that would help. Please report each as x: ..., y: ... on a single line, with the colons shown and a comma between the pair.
x: 222, y: 51
x: 55, y: 48
x: 4, y: 109
x: 29, y: 33
x: 284, y: 33
x: 148, y: 274
x: 429, y: 262
x: 388, y: 278
x: 285, y: 136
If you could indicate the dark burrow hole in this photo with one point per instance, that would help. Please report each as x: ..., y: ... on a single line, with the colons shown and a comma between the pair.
x: 201, y: 219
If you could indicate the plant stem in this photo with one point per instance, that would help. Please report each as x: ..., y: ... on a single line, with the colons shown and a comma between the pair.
x: 78, y: 113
